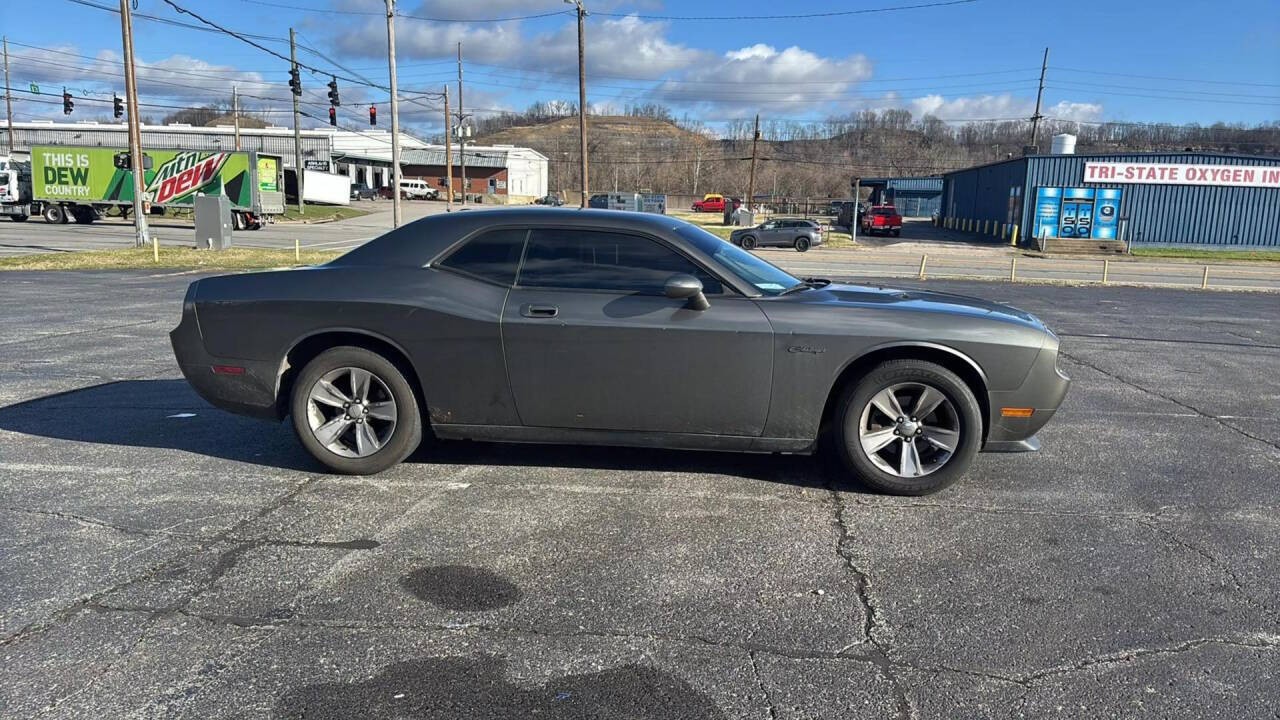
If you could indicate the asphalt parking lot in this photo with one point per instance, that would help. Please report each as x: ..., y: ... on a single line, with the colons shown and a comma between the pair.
x: 162, y: 558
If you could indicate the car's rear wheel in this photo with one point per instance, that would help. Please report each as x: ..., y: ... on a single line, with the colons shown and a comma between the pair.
x: 748, y: 243
x: 909, y: 427
x: 355, y: 411
x: 897, y: 233
x: 802, y: 244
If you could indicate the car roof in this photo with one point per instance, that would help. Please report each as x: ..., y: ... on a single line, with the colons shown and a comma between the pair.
x: 414, y: 244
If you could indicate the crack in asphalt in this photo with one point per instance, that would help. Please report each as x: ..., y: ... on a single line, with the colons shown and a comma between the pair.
x: 768, y: 701
x: 862, y: 586
x: 70, y: 333
x: 1168, y: 398
x: 65, y: 613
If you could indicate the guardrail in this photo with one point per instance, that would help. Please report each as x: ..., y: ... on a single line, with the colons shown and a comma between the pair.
x: 1205, y: 276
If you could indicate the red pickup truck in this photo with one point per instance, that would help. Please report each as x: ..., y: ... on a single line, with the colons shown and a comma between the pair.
x: 882, y: 219
x: 714, y: 202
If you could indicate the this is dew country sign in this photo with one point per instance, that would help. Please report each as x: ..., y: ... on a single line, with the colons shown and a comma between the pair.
x: 1179, y: 174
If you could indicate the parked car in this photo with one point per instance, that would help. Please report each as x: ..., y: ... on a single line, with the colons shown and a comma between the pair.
x: 882, y: 219
x: 550, y: 200
x: 557, y: 326
x: 779, y: 232
x: 715, y: 202
x: 363, y: 192
x: 599, y: 201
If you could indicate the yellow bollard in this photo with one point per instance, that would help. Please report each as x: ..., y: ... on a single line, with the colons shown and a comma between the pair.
x: 923, y: 259
x: 1204, y: 281
x: 1014, y: 233
x: 297, y: 251
x: 1013, y: 270
x: 1106, y: 265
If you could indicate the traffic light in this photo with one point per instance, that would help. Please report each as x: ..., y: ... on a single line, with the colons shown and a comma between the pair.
x: 334, y: 100
x: 67, y: 105
x: 333, y: 117
x: 117, y: 106
x: 295, y: 82
x: 373, y: 114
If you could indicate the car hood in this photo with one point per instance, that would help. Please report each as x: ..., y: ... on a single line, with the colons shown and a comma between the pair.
x: 840, y: 295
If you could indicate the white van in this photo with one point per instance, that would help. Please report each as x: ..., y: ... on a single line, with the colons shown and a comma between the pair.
x: 417, y: 189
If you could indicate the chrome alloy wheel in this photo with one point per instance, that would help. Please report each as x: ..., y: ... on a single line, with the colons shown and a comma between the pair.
x: 909, y: 429
x: 351, y: 412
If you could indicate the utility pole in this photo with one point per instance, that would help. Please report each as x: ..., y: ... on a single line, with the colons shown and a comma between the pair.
x: 8, y: 96
x: 751, y: 179
x: 395, y: 115
x: 582, y: 97
x: 462, y: 140
x: 1035, y: 119
x: 141, y: 233
x: 297, y: 132
x: 235, y: 113
x: 448, y: 152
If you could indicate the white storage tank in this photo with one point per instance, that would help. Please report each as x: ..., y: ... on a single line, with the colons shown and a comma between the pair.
x: 1064, y: 144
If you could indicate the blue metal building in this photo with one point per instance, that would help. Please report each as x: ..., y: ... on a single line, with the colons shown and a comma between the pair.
x: 914, y: 197
x: 1172, y: 199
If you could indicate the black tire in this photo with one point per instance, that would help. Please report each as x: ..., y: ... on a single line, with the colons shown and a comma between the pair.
x: 237, y: 221
x: 748, y: 243
x: 18, y: 218
x: 857, y: 396
x: 406, y: 434
x: 83, y: 216
x: 54, y: 214
x: 802, y: 244
x: 897, y: 233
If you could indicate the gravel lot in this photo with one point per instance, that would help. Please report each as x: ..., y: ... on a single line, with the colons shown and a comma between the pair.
x: 162, y: 558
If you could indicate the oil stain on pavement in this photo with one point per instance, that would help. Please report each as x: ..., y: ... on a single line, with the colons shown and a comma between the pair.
x: 461, y: 587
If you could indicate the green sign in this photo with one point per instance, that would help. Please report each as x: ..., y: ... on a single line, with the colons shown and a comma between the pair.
x: 89, y: 175
x: 35, y: 88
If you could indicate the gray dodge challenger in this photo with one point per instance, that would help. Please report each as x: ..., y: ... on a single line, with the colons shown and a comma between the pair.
x: 615, y: 328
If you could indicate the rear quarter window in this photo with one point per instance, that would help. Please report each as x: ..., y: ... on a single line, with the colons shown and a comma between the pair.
x: 492, y: 256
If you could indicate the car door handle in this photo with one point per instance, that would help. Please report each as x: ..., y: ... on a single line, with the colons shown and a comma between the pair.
x: 539, y: 311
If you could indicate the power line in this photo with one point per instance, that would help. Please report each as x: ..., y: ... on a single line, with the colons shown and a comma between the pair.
x: 1172, y: 79
x: 795, y: 16
x: 405, y: 15
x: 170, y: 21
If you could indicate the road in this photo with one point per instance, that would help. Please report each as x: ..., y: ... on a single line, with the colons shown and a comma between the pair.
x: 162, y: 558
x: 950, y: 254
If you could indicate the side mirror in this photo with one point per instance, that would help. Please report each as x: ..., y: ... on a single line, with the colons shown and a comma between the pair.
x: 686, y: 287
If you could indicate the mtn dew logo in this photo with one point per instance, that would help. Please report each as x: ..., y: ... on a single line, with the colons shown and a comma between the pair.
x: 186, y: 173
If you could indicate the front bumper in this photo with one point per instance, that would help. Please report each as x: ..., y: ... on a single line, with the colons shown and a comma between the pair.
x: 1043, y: 390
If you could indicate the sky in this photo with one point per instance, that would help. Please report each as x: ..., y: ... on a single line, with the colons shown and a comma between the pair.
x: 1176, y: 61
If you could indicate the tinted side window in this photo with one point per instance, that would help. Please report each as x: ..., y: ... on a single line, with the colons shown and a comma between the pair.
x: 492, y: 256
x: 594, y: 260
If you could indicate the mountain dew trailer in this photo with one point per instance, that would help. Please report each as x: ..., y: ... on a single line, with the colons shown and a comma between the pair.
x: 83, y: 183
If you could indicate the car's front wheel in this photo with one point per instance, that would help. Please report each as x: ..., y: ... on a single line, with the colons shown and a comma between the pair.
x: 802, y: 244
x: 355, y: 411
x: 748, y: 243
x: 909, y: 427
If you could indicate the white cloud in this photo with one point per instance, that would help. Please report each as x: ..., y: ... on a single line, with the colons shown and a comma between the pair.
x: 1003, y: 105
x: 787, y: 80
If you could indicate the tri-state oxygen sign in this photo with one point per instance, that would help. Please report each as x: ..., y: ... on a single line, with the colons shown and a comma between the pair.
x: 1182, y: 174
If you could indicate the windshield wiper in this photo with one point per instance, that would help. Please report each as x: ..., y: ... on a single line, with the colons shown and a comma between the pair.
x: 805, y: 284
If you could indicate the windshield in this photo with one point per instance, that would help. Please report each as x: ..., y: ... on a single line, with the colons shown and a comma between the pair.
x: 4, y: 179
x: 765, y: 277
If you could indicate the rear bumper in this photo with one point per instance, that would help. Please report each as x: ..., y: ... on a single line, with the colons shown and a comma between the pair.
x: 252, y: 391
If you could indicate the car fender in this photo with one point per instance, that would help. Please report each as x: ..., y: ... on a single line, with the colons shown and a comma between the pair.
x: 913, y: 344
x: 284, y: 366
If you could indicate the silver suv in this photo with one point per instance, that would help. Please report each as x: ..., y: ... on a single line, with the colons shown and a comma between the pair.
x: 779, y: 232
